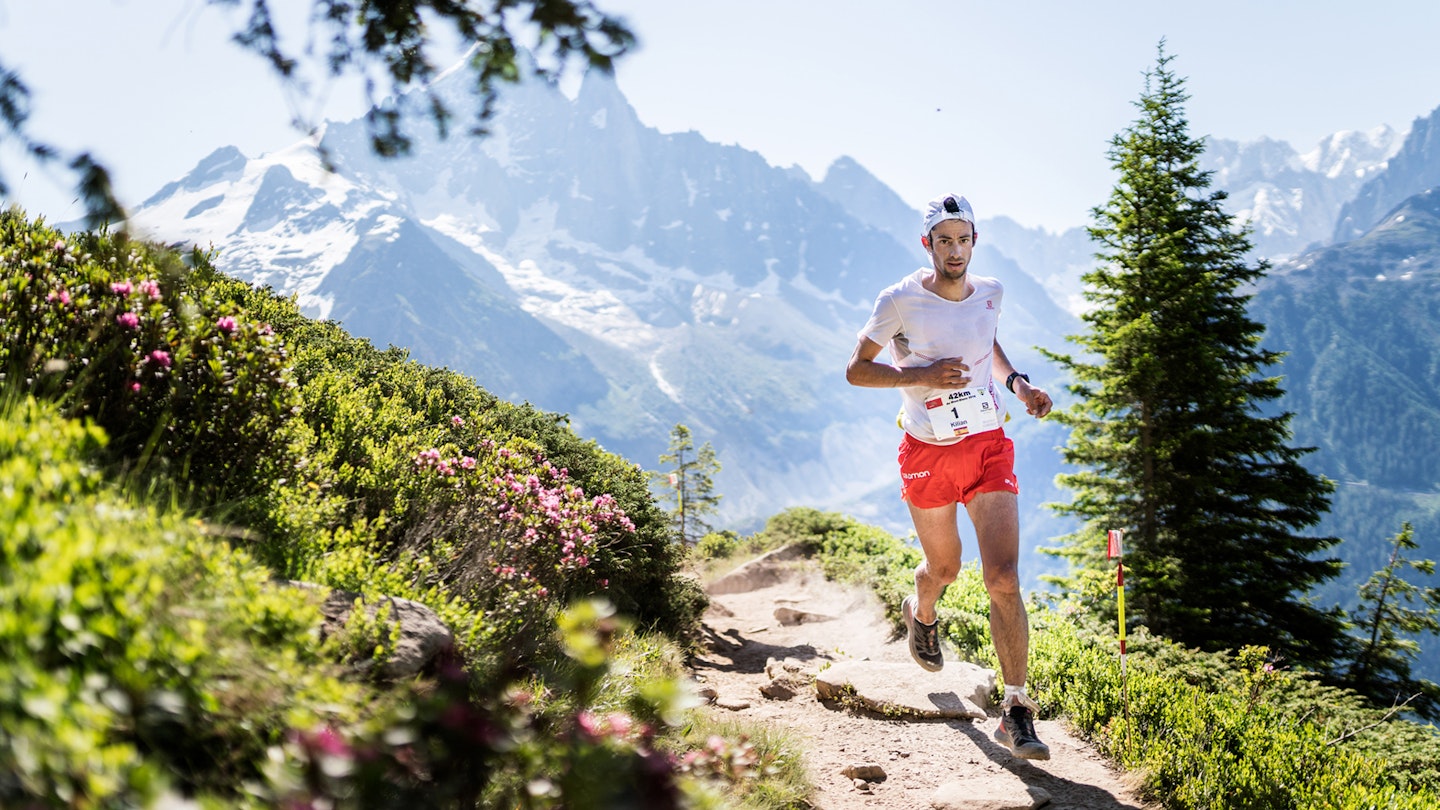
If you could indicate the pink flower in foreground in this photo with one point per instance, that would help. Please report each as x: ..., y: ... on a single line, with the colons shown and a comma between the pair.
x: 122, y: 288
x: 135, y: 386
x: 620, y: 723
x: 151, y: 289
x: 589, y: 724
x: 160, y: 357
x: 226, y: 324
x: 62, y: 296
x: 456, y: 421
x: 324, y: 741
x: 129, y: 320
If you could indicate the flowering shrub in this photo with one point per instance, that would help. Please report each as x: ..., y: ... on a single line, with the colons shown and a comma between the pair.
x: 120, y: 332
x: 511, y: 533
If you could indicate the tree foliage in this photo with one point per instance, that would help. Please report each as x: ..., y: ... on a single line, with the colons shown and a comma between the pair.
x: 690, y: 484
x: 390, y: 45
x: 1392, y: 612
x: 1167, y: 430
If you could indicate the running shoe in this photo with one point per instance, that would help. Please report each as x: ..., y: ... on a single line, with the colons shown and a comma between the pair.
x: 1017, y: 732
x: 924, y: 638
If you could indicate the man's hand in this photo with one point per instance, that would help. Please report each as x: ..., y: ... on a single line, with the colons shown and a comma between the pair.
x: 1037, y: 402
x: 947, y: 372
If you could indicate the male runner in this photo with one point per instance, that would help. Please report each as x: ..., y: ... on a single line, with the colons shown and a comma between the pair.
x: 939, y: 324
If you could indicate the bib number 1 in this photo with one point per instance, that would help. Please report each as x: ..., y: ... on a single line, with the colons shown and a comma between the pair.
x: 964, y: 411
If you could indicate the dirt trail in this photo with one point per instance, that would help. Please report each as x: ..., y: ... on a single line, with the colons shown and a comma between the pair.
x: 926, y: 763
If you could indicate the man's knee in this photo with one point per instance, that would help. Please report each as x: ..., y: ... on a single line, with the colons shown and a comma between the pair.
x: 939, y: 573
x: 1002, y: 580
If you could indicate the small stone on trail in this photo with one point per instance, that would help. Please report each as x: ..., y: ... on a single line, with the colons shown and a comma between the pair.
x: 868, y: 771
x: 780, y: 689
x: 791, y: 617
x: 776, y: 668
x: 733, y: 704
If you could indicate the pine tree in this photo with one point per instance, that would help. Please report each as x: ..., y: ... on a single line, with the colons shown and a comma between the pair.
x: 1392, y: 612
x: 690, y: 484
x: 1167, y: 430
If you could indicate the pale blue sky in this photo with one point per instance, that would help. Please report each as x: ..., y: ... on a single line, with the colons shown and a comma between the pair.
x: 1009, y: 103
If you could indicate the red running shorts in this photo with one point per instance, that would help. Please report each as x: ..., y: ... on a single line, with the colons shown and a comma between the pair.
x: 934, y: 475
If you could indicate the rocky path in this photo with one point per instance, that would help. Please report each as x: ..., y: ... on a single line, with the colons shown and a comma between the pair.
x: 788, y: 648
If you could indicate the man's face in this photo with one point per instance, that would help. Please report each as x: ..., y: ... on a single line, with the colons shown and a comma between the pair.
x: 950, y: 245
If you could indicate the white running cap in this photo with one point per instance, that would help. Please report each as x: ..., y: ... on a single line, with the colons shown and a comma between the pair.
x: 950, y: 206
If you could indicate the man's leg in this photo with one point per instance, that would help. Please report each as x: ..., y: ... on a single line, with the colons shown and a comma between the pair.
x: 996, y: 517
x: 997, y: 530
x: 939, y: 536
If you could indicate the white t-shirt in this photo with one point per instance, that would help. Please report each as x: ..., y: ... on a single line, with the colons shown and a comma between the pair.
x: 919, y: 327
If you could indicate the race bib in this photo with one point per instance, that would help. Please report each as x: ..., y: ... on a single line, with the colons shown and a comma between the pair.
x: 963, y: 411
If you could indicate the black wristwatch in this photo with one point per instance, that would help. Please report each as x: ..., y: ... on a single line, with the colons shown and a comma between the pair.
x: 1010, y: 381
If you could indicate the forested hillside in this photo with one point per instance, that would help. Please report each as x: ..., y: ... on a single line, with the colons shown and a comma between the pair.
x: 1361, y: 324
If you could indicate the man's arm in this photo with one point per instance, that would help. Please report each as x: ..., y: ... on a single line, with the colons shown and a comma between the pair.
x: 1037, y: 402
x: 866, y: 372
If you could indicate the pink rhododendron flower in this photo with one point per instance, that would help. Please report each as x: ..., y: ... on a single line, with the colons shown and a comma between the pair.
x: 456, y: 421
x: 160, y: 358
x: 226, y: 324
x: 129, y: 320
x: 620, y: 723
x: 328, y: 741
x: 589, y: 724
x: 150, y: 288
x: 122, y: 288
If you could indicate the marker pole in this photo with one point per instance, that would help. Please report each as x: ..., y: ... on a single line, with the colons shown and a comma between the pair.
x: 1116, y: 550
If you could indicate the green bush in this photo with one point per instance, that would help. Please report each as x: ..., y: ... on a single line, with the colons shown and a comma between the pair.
x: 1226, y: 730
x: 138, y: 652
x: 718, y: 545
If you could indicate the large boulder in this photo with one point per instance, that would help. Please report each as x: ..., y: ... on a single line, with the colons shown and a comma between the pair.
x: 423, y: 636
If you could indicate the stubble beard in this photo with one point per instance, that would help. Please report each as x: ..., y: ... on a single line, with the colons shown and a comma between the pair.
x: 947, y: 274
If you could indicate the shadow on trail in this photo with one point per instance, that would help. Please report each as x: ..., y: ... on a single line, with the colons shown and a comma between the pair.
x: 733, y: 651
x: 1076, y: 794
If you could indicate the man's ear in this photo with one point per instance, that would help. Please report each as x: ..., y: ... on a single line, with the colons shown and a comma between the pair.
x: 925, y: 242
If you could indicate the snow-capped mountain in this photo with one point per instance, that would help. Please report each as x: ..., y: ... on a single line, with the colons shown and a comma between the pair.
x: 1414, y: 168
x: 593, y: 266
x: 1292, y: 200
